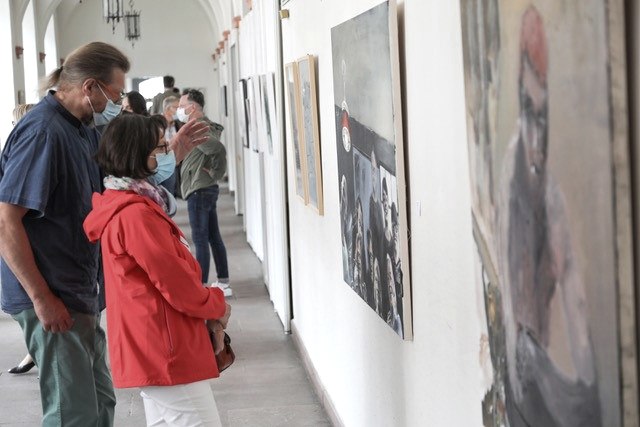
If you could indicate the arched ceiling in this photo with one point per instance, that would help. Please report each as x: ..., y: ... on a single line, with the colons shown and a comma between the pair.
x: 219, y: 13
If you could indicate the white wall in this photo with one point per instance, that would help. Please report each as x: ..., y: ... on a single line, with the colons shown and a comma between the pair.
x: 176, y: 39
x: 371, y: 376
x: 264, y: 171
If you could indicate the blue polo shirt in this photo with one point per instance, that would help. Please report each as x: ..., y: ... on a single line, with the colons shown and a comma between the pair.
x: 47, y: 166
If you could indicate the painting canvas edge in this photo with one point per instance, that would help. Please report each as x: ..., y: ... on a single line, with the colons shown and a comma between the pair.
x: 403, y: 197
x: 623, y: 214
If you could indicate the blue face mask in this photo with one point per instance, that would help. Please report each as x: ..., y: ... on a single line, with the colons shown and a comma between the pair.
x: 166, y: 167
x: 111, y: 111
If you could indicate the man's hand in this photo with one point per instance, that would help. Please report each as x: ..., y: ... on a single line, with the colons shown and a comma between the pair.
x: 16, y: 251
x: 52, y: 313
x: 192, y: 134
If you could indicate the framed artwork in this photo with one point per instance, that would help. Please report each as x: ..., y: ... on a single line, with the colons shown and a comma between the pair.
x: 310, y: 131
x: 271, y: 107
x: 223, y: 100
x: 253, y: 91
x: 292, y: 84
x: 258, y: 111
x: 551, y: 217
x: 268, y: 111
x: 243, y: 119
x: 369, y: 143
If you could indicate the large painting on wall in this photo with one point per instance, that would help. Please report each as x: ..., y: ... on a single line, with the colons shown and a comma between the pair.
x: 548, y: 168
x: 310, y: 131
x: 293, y: 104
x: 368, y: 117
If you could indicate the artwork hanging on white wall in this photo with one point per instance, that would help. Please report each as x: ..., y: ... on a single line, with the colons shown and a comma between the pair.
x: 271, y: 107
x: 243, y: 119
x: 311, y: 131
x: 294, y: 118
x: 371, y: 175
x: 549, y: 169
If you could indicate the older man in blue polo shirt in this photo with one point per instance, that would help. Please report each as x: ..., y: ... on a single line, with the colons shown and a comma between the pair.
x: 49, y: 269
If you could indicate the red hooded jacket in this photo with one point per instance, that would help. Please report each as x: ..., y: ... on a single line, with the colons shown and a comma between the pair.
x: 156, y: 304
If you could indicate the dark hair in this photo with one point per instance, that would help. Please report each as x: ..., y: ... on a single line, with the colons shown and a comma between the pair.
x: 185, y: 91
x: 94, y: 60
x: 126, y: 144
x: 196, y: 96
x: 137, y: 103
x: 160, y: 121
x: 168, y: 81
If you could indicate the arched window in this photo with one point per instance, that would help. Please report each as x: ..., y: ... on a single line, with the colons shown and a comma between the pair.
x: 7, y: 102
x: 30, y: 56
x: 50, y: 47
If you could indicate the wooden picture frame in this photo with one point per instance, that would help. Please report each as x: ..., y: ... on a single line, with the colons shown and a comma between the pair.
x: 308, y: 96
x: 292, y: 83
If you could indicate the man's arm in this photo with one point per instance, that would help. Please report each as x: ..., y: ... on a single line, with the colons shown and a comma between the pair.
x: 17, y: 253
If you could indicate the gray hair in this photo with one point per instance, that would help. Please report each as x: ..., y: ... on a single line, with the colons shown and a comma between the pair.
x: 168, y: 101
x: 95, y: 60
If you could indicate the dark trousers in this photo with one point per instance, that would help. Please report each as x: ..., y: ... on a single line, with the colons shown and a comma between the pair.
x: 205, y: 231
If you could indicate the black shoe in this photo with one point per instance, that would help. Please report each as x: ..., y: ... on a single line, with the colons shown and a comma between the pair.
x: 22, y: 369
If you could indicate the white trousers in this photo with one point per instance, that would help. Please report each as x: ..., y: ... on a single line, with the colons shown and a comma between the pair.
x: 184, y: 405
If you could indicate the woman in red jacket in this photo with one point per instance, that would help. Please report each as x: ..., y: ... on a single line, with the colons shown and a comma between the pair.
x: 156, y: 304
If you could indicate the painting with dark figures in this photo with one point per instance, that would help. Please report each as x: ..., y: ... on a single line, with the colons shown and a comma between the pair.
x: 293, y: 108
x: 243, y: 118
x: 547, y: 215
x: 311, y: 131
x: 370, y: 154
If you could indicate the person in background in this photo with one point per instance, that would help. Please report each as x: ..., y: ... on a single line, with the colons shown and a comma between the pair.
x: 27, y: 363
x: 169, y: 107
x: 135, y: 103
x: 158, y: 339
x: 168, y: 82
x: 200, y: 172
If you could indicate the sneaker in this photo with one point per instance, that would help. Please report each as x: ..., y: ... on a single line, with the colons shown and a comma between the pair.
x: 226, y: 288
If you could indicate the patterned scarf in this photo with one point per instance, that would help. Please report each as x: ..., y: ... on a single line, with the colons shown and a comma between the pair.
x: 139, y: 186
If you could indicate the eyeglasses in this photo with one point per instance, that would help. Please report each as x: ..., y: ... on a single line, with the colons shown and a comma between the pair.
x: 121, y: 94
x: 164, y: 147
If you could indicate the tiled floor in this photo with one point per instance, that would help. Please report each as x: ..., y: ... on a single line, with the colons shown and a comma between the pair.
x: 266, y: 386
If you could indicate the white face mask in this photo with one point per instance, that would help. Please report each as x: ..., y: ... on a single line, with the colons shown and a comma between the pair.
x: 182, y: 114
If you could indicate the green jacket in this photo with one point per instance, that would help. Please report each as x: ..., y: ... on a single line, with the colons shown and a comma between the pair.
x: 210, y: 155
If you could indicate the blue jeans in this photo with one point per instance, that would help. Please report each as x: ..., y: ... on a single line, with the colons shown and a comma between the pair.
x: 205, y: 231
x: 170, y: 183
